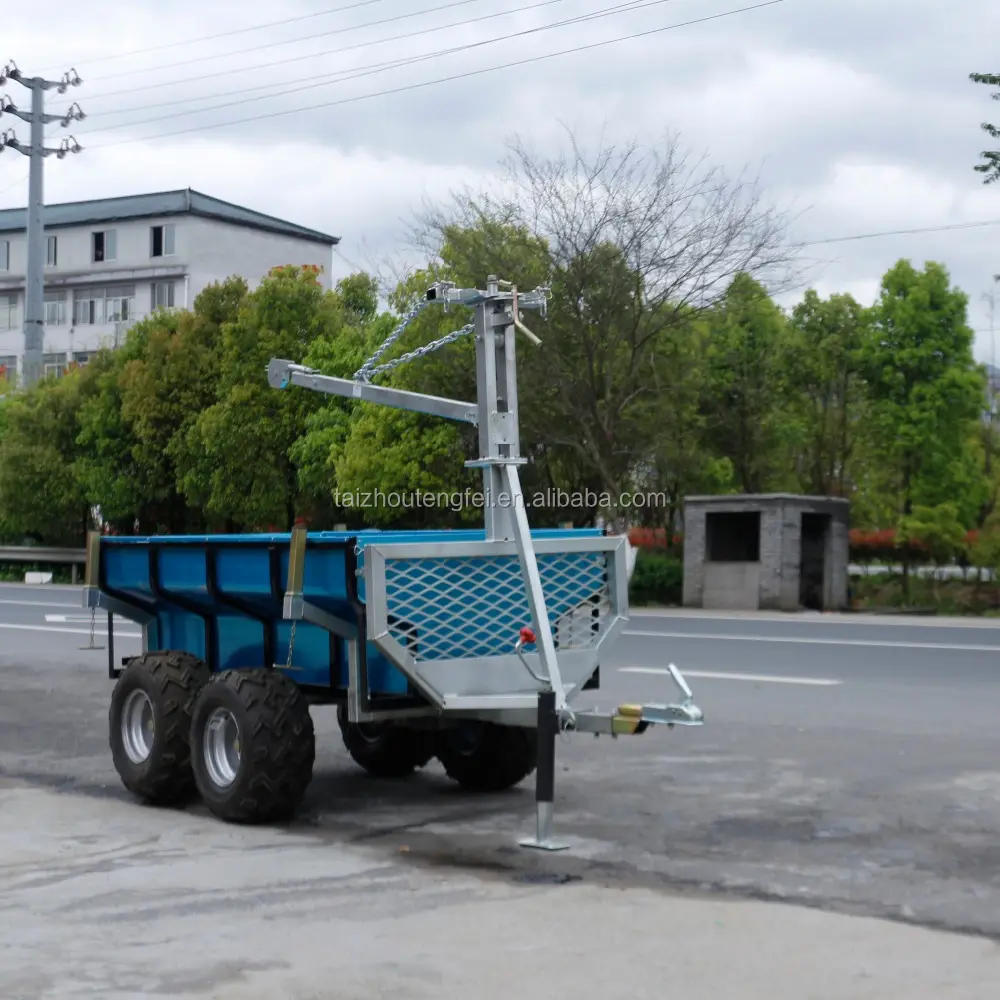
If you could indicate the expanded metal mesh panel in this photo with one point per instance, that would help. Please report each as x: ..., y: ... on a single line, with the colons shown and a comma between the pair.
x: 475, y: 606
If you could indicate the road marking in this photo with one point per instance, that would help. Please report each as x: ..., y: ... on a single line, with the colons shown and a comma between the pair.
x: 39, y: 604
x: 69, y: 631
x: 802, y: 640
x: 755, y: 678
x: 861, y: 619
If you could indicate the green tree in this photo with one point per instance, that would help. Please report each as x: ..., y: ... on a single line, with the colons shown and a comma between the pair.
x: 826, y: 337
x: 238, y: 459
x: 107, y: 466
x: 984, y: 552
x: 40, y: 493
x: 165, y: 390
x: 938, y: 530
x: 927, y: 393
x: 680, y: 462
x: 991, y: 158
x: 147, y: 396
x: 334, y: 454
x: 632, y: 243
x: 411, y: 459
x: 747, y: 397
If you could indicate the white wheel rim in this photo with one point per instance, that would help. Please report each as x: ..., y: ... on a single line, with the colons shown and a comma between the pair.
x: 138, y: 727
x: 221, y: 745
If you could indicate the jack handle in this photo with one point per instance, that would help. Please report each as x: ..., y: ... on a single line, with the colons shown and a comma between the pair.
x: 527, y: 638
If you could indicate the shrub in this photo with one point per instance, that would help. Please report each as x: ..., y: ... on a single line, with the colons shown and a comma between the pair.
x: 658, y: 579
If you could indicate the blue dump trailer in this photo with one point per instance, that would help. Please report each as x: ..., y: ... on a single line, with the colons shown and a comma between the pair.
x: 465, y: 646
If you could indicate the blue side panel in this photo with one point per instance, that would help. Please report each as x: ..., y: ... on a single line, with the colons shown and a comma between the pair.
x: 128, y: 569
x: 182, y: 630
x: 244, y: 572
x: 220, y: 597
x: 184, y: 571
x: 241, y: 642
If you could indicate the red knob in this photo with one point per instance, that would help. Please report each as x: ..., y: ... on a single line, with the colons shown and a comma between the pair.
x: 527, y: 635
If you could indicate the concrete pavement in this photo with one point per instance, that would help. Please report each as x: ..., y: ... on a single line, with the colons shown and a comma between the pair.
x: 856, y: 774
x: 102, y: 899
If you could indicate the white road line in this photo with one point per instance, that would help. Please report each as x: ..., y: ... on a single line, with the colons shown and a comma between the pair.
x: 755, y: 678
x: 860, y: 619
x: 801, y: 640
x: 40, y: 604
x: 69, y: 631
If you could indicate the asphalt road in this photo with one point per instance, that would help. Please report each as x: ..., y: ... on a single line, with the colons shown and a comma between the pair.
x: 848, y: 763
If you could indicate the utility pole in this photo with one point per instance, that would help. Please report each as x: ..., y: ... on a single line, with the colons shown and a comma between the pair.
x: 36, y: 151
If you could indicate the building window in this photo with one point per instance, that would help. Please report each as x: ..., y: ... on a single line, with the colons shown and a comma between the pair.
x: 105, y: 246
x: 51, y: 246
x: 95, y: 306
x: 8, y: 312
x: 732, y: 536
x: 162, y: 295
x: 81, y: 358
x: 4, y: 255
x: 54, y: 365
x: 119, y: 304
x: 88, y: 307
x: 161, y: 241
x: 55, y: 308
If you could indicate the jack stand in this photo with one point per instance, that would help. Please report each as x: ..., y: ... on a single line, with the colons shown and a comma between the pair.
x: 545, y: 776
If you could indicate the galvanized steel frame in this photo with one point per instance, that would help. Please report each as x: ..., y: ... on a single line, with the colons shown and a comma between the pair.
x: 427, y: 676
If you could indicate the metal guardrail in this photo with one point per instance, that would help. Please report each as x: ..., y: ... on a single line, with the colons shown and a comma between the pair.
x: 43, y: 554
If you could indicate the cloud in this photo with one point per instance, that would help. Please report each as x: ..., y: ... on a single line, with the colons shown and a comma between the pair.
x: 858, y: 115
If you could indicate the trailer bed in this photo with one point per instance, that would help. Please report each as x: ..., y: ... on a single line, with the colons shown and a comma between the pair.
x: 221, y: 597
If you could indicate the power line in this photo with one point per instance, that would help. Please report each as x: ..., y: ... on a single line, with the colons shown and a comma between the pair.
x: 234, y: 31
x: 24, y: 176
x: 13, y: 184
x: 445, y: 79
x: 290, y: 41
x: 344, y: 75
x: 464, y: 22
x: 900, y: 232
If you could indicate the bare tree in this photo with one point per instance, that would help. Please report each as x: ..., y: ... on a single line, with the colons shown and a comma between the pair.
x: 639, y: 242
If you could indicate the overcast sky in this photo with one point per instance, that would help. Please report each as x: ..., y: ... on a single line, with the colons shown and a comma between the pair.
x: 858, y: 114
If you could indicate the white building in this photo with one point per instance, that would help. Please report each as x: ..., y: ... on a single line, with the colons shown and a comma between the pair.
x: 112, y: 261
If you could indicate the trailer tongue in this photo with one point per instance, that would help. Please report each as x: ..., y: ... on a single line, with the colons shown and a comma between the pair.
x: 468, y: 646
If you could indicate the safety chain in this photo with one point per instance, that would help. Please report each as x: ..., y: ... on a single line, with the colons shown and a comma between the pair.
x: 370, y: 369
x: 291, y: 644
x: 93, y: 629
x: 448, y: 338
x: 365, y: 372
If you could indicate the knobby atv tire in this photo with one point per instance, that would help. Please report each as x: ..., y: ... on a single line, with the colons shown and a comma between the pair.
x: 486, y: 757
x: 171, y: 681
x: 277, y: 745
x: 385, y: 751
